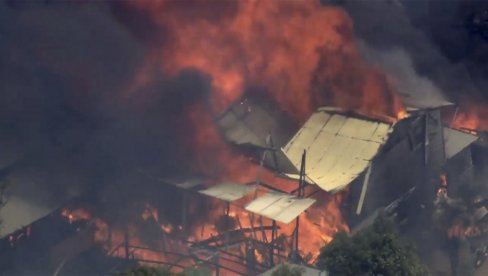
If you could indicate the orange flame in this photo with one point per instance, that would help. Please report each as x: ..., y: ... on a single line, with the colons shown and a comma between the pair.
x: 460, y: 230
x: 76, y: 215
x: 301, y: 52
x: 471, y: 116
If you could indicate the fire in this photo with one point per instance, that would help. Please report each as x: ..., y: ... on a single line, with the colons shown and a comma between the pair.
x: 76, y: 215
x: 443, y: 187
x: 167, y: 228
x: 401, y: 114
x: 470, y: 117
x: 443, y: 179
x: 318, y: 225
x: 460, y: 230
x: 300, y: 52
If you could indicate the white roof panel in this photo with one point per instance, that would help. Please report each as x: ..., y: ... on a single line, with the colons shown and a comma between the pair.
x: 381, y: 133
x: 354, y: 128
x: 456, y: 140
x: 280, y: 207
x: 228, y: 191
x: 338, y: 147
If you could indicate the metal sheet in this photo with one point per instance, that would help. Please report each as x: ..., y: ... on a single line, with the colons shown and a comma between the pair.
x: 339, y: 147
x: 257, y: 125
x: 251, y: 120
x: 228, y: 191
x: 280, y: 207
x: 455, y: 141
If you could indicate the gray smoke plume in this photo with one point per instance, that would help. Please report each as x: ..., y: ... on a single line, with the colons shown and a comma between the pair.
x: 66, y: 128
x: 416, y: 90
x: 399, y: 37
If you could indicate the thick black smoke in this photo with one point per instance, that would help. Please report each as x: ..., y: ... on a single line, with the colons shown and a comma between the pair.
x: 67, y: 125
x: 68, y: 128
x: 434, y: 51
x: 442, y: 45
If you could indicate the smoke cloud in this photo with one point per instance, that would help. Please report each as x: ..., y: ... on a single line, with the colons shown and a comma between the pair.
x: 416, y: 90
x: 402, y: 35
x: 67, y: 126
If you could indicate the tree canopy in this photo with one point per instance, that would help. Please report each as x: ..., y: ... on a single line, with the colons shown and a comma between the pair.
x: 163, y: 271
x: 374, y: 250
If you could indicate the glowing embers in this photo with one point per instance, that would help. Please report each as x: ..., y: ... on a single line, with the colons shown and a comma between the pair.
x: 280, y: 207
x: 75, y: 215
x: 228, y: 191
x: 339, y: 147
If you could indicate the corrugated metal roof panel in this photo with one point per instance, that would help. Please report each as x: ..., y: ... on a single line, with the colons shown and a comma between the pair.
x: 280, y: 207
x: 381, y: 133
x: 355, y: 128
x: 338, y: 147
x: 228, y: 191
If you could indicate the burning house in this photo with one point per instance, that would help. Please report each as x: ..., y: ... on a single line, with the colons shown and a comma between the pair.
x: 399, y: 168
x: 234, y: 135
x: 332, y: 153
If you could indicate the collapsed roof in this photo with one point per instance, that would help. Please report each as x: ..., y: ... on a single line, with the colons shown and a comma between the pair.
x: 339, y: 147
x: 255, y: 124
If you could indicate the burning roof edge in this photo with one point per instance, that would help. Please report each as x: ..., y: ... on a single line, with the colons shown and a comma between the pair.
x: 366, y: 116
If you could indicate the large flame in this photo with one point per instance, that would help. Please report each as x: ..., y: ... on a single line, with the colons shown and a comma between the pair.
x: 319, y: 224
x: 300, y: 52
x: 471, y: 116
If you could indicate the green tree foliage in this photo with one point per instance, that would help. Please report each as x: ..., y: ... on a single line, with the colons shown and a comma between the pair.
x: 375, y: 250
x: 163, y: 271
x: 285, y: 270
x: 148, y: 271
